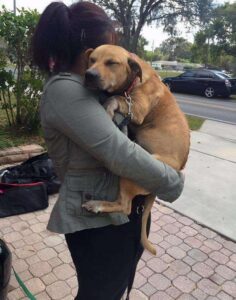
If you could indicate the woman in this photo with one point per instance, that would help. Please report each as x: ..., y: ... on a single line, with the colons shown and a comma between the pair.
x: 90, y: 153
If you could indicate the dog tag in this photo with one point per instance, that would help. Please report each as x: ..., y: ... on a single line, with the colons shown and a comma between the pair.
x: 129, y: 102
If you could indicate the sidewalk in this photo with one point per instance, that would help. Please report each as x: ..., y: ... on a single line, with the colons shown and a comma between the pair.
x: 209, y: 195
x: 192, y: 262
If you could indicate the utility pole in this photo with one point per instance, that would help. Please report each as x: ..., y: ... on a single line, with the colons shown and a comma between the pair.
x: 152, y: 51
x: 14, y: 6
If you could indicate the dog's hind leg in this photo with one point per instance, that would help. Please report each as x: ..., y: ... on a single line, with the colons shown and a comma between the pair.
x: 128, y: 190
x: 123, y: 204
x: 101, y: 206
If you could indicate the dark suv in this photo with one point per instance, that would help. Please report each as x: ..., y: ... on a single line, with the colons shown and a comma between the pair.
x: 204, y: 82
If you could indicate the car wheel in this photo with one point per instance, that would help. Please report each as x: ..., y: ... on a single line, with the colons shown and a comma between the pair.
x: 169, y: 85
x: 209, y: 92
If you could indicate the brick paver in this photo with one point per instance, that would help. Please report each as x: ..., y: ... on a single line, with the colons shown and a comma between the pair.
x: 192, y: 262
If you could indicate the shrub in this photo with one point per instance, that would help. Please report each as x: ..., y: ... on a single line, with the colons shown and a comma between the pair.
x: 3, y: 57
x: 20, y: 83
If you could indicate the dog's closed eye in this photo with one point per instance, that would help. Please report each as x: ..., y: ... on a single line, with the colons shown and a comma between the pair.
x: 111, y: 62
x: 92, y: 60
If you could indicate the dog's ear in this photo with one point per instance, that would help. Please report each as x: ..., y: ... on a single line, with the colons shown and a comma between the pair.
x: 135, y: 68
x: 88, y: 52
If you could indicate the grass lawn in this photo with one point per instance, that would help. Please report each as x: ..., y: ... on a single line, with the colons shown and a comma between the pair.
x: 233, y: 97
x: 12, y: 138
x: 195, y: 123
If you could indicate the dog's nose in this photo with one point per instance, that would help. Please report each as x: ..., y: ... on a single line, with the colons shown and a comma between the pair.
x: 91, y: 75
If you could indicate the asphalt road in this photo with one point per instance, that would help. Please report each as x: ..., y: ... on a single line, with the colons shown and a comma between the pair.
x: 218, y: 109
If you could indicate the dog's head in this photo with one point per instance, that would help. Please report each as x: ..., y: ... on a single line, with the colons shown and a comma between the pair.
x: 111, y: 69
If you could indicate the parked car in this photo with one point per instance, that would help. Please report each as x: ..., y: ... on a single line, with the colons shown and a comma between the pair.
x: 204, y: 82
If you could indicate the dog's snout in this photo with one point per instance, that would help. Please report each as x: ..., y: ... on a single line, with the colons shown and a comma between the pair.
x: 91, y: 75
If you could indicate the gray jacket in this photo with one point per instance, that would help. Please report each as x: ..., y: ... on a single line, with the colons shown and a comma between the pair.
x: 90, y: 154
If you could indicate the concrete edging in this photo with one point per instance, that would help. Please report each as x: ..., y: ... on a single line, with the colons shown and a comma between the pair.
x: 19, y: 154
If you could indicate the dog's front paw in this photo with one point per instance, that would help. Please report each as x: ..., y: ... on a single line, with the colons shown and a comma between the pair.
x: 93, y: 206
x: 111, y: 106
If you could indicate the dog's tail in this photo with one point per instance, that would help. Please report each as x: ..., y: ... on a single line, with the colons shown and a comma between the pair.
x: 149, y: 200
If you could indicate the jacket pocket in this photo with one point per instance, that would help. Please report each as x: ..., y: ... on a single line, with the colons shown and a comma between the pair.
x: 80, y: 189
x: 74, y: 202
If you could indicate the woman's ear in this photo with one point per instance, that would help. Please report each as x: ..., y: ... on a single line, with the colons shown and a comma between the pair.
x: 135, y: 68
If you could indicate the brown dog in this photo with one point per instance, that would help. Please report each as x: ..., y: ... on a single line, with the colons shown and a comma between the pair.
x: 159, y: 125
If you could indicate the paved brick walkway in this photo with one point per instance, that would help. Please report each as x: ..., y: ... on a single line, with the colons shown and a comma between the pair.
x: 193, y: 262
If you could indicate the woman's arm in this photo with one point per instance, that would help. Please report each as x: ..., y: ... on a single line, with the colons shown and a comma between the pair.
x: 76, y: 113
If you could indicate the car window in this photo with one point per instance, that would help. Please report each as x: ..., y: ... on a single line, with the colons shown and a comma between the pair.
x: 188, y: 74
x: 204, y: 74
x: 222, y: 75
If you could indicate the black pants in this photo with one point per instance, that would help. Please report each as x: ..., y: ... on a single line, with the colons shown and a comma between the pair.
x: 106, y: 258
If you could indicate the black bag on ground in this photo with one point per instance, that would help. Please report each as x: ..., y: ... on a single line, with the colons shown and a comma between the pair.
x: 5, y: 269
x: 18, y: 199
x: 36, y: 169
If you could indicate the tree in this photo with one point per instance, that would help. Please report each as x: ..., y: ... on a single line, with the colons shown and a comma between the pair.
x: 222, y: 29
x: 142, y: 42
x: 216, y: 42
x: 20, y: 82
x: 176, y: 48
x: 154, y: 55
x: 132, y: 15
x: 200, y: 48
